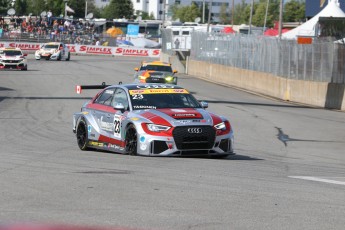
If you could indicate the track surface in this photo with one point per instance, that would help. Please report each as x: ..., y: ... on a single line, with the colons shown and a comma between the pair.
x: 289, y: 171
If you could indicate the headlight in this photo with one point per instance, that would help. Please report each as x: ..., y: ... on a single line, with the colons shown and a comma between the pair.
x: 220, y: 126
x: 157, y: 128
x: 170, y: 78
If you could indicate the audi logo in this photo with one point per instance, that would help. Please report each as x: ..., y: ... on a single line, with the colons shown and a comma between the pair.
x: 194, y: 130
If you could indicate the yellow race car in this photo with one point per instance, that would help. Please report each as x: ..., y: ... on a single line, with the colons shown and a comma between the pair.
x: 155, y: 72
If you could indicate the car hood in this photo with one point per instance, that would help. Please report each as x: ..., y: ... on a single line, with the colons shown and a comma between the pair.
x: 179, y: 117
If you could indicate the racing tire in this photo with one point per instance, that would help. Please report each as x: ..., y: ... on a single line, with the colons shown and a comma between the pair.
x: 82, y: 135
x: 25, y: 69
x: 59, y: 57
x: 131, y: 140
x: 68, y: 57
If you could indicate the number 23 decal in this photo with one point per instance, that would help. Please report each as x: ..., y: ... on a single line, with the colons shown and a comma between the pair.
x: 117, y: 126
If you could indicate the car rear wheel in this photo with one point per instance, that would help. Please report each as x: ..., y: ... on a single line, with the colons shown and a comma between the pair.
x: 131, y: 140
x: 82, y: 138
x: 68, y: 57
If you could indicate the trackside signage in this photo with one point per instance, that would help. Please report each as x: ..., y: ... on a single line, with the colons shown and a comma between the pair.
x: 88, y: 49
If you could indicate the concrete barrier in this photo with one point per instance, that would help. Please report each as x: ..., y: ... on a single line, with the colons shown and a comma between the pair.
x: 321, y: 94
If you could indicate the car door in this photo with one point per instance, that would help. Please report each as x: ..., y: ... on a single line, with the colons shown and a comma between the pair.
x: 120, y: 97
x: 102, y: 110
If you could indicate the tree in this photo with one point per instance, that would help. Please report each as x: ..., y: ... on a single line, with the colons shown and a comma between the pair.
x: 21, y: 7
x: 223, y: 14
x: 186, y: 13
x: 4, y: 6
x: 294, y: 11
x: 56, y: 6
x: 36, y: 7
x: 118, y: 9
x: 260, y: 12
x: 242, y: 13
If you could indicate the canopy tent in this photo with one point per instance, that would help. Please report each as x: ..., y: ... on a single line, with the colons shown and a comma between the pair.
x: 309, y: 28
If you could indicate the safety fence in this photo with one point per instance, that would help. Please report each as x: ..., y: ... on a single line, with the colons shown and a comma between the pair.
x: 321, y: 61
x: 89, y: 49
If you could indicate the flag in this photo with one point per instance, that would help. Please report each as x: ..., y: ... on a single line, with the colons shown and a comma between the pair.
x: 322, y: 2
x: 69, y: 9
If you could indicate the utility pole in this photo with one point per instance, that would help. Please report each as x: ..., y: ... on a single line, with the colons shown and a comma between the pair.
x: 209, y: 16
x: 251, y: 16
x: 203, y: 11
x: 85, y: 8
x: 233, y: 13
x: 268, y: 2
x: 280, y: 19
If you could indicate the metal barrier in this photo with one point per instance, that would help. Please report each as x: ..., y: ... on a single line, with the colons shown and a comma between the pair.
x: 320, y: 61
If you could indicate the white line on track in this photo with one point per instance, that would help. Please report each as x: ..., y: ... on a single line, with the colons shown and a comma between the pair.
x: 318, y: 179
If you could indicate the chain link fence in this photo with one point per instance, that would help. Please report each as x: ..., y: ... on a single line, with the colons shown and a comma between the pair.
x: 323, y: 60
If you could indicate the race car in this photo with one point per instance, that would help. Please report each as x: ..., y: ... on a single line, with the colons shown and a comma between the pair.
x: 151, y: 120
x: 53, y: 51
x: 155, y: 72
x: 13, y: 58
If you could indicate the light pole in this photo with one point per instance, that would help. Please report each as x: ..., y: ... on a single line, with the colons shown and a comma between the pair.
x: 280, y: 19
x: 85, y: 8
x: 251, y: 16
x: 203, y: 11
x: 268, y: 2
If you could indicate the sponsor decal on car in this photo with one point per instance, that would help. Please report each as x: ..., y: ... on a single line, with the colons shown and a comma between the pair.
x: 157, y: 91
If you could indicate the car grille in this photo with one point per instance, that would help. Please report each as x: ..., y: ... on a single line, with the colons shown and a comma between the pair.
x: 11, y: 61
x: 155, y: 80
x: 186, y: 137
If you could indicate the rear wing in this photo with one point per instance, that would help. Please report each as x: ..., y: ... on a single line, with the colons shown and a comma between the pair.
x: 79, y: 88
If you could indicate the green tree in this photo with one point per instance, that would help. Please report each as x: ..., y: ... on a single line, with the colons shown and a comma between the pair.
x: 4, y: 6
x: 242, y: 13
x: 36, y: 7
x: 186, y: 13
x: 20, y: 6
x: 294, y: 11
x: 57, y: 7
x: 223, y: 14
x: 260, y: 12
x: 118, y: 9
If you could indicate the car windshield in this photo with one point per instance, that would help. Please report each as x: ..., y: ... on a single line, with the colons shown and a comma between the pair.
x: 156, y: 68
x: 12, y: 52
x: 51, y: 47
x: 164, y: 100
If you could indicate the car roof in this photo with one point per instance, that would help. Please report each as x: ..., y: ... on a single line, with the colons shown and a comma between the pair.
x: 10, y: 48
x: 133, y: 86
x: 53, y: 43
x: 156, y: 63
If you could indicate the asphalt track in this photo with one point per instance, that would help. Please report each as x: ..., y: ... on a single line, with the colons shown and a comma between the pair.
x: 289, y: 171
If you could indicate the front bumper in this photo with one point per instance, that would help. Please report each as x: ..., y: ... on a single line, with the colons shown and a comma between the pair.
x: 13, y: 64
x: 47, y: 56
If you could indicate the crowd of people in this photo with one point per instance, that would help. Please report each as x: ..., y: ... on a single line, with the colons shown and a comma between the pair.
x: 49, y: 27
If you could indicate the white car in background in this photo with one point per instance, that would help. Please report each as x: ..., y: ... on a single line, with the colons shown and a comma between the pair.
x: 13, y: 58
x: 53, y: 51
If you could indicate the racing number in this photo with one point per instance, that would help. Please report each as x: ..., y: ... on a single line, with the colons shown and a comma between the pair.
x: 117, y: 126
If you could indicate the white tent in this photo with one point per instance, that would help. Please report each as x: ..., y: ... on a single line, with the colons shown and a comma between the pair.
x: 309, y: 28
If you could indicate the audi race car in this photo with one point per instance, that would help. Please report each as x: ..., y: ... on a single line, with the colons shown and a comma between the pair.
x: 151, y: 120
x: 13, y: 58
x: 155, y: 72
x: 53, y: 51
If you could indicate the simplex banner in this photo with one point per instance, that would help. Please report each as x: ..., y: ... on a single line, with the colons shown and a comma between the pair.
x: 89, y: 49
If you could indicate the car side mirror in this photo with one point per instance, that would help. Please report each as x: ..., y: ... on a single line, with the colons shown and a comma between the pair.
x: 174, y: 71
x: 204, y: 104
x: 25, y: 55
x: 136, y: 69
x: 119, y: 106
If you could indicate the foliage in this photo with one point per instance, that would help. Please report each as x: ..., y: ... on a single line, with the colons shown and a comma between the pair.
x: 118, y: 9
x: 186, y: 13
x: 242, y: 12
x: 260, y: 12
x: 144, y: 15
x: 35, y: 7
x: 223, y: 14
x: 21, y: 7
x: 4, y: 6
x: 294, y: 11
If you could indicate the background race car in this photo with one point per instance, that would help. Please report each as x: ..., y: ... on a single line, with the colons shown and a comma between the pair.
x: 155, y: 72
x: 13, y: 58
x: 53, y: 51
x: 151, y: 120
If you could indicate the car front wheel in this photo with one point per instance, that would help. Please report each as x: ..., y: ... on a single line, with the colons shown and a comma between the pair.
x: 131, y: 140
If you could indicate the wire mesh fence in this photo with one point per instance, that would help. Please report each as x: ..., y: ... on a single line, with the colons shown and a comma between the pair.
x: 323, y: 60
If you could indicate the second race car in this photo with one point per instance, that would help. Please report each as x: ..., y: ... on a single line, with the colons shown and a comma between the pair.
x: 53, y: 51
x: 155, y: 72
x: 151, y: 120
